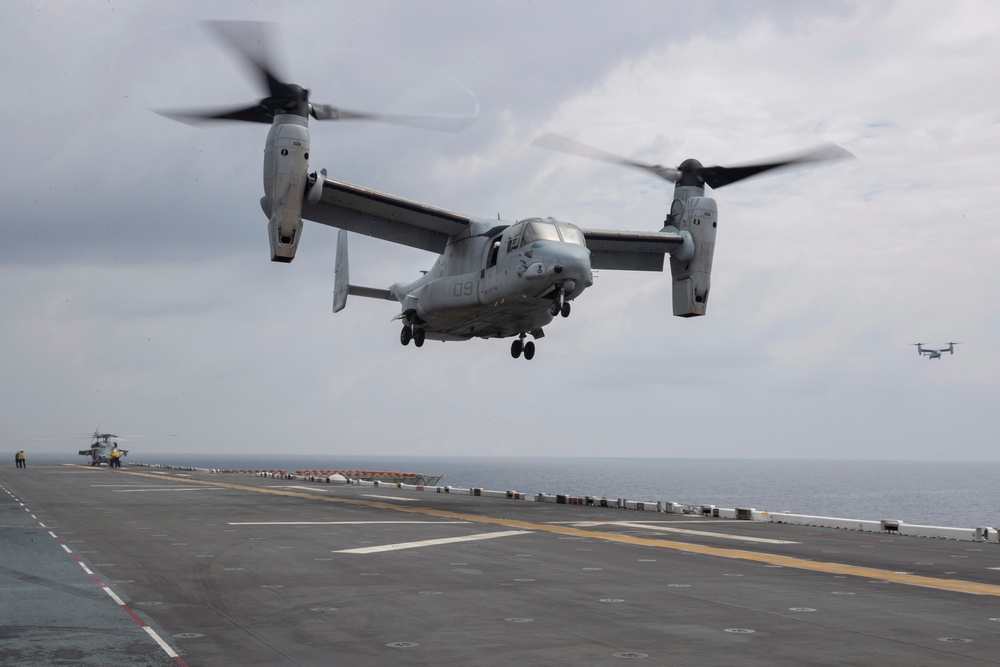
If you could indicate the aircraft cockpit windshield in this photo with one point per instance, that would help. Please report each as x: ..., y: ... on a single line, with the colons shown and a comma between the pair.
x: 572, y: 234
x: 536, y: 229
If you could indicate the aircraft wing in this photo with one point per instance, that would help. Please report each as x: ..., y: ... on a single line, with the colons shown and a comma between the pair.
x: 384, y: 216
x: 410, y: 223
x: 630, y: 251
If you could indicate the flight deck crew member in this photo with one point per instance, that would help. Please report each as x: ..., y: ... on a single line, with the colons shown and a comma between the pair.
x: 17, y: 459
x: 115, y: 460
x: 22, y: 460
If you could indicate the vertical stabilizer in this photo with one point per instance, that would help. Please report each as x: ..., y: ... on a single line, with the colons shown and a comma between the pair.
x: 342, y: 279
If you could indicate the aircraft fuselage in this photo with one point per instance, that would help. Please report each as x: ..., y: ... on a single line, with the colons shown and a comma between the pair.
x: 498, y: 281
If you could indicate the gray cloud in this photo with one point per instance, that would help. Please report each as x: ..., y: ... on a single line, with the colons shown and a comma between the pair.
x: 138, y: 292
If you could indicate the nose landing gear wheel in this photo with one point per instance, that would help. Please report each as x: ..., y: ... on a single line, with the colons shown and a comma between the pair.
x: 405, y: 335
x: 516, y: 347
x: 529, y: 350
x: 560, y: 305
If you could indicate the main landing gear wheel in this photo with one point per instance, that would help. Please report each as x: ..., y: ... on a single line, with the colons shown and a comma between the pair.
x: 409, y: 333
x: 554, y: 309
x: 519, y: 346
x: 564, y: 311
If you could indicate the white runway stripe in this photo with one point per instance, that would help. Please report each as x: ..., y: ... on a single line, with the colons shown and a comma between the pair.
x: 405, y: 500
x: 329, y: 523
x: 179, y: 488
x: 164, y: 645
x: 114, y: 597
x: 702, y: 533
x: 431, y: 543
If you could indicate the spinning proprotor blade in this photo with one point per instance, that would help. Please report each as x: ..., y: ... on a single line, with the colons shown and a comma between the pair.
x: 250, y: 40
x: 691, y: 171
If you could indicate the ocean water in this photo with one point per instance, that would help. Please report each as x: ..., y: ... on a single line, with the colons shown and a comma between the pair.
x: 940, y: 493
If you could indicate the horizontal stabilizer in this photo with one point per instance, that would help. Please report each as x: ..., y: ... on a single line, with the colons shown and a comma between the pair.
x: 370, y: 292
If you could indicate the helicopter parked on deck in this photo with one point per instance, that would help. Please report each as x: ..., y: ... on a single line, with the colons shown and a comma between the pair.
x: 100, y: 450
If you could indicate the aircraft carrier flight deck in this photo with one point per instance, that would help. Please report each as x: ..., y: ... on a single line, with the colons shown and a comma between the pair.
x: 139, y: 566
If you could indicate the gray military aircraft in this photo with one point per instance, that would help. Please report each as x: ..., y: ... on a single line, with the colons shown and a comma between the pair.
x: 100, y: 450
x: 102, y: 444
x: 932, y: 353
x: 493, y: 278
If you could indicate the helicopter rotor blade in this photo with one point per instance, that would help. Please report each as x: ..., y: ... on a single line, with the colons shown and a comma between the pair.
x: 257, y: 113
x: 250, y: 40
x: 714, y: 176
x: 440, y: 123
x: 563, y: 144
x: 717, y: 177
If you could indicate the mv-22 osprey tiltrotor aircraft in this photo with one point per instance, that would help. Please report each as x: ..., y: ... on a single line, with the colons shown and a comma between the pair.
x: 493, y: 278
x: 931, y: 353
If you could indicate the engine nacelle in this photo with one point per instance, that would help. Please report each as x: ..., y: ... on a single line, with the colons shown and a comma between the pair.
x: 286, y: 168
x: 692, y: 275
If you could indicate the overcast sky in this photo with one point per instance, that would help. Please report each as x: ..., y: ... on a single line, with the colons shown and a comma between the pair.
x: 138, y: 294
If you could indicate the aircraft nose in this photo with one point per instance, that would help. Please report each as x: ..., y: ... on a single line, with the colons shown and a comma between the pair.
x: 563, y: 262
x: 574, y: 263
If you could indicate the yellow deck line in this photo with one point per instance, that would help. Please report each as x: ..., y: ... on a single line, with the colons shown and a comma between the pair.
x: 956, y: 585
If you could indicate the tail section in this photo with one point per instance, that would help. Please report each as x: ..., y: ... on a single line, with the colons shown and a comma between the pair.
x: 342, y: 286
x: 341, y: 277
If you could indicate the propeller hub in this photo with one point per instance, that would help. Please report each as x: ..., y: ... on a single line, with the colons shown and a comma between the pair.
x: 691, y: 173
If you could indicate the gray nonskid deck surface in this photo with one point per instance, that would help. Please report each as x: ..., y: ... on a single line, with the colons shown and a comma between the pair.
x: 53, y: 611
x: 254, y: 571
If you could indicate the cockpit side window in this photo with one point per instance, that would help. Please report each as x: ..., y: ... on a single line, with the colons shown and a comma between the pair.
x: 514, y: 236
x: 491, y: 259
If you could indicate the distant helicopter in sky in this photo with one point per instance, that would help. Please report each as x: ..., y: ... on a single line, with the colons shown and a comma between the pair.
x: 932, y: 353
